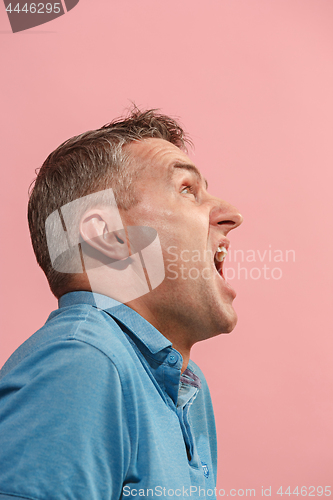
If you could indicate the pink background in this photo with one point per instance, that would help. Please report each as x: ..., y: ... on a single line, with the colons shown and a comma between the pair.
x: 252, y: 82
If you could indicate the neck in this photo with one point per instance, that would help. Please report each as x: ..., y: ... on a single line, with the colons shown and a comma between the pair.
x: 170, y: 329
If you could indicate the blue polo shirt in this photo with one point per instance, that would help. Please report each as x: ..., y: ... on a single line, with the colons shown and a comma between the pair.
x: 93, y: 406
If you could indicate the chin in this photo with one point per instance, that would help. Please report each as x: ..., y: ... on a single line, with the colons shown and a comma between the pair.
x: 228, y: 321
x: 230, y: 327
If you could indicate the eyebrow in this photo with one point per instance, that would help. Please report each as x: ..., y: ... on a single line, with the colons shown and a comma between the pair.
x: 189, y: 167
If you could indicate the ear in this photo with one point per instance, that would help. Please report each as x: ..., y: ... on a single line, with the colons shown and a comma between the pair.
x: 98, y: 233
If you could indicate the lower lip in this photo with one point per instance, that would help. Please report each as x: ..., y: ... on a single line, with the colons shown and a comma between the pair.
x: 227, y: 285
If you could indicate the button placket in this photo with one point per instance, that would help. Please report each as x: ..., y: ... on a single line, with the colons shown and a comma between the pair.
x: 172, y: 358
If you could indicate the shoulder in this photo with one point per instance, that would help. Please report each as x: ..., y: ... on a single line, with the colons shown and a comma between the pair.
x: 81, y: 333
x: 63, y: 395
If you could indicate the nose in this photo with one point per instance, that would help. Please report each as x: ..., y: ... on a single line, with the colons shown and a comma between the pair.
x: 225, y: 215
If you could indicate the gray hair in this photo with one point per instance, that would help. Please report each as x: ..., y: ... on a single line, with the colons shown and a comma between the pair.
x: 92, y: 162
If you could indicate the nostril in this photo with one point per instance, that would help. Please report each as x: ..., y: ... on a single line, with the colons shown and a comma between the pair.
x: 227, y: 222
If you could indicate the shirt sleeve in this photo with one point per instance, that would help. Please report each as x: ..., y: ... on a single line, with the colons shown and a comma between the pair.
x: 63, y: 426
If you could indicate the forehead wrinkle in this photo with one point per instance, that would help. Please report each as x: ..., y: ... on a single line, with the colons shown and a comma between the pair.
x: 189, y: 167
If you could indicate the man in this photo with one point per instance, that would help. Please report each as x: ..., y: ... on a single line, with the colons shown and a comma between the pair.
x: 103, y: 401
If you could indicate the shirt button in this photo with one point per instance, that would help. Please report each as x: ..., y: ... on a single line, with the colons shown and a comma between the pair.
x: 172, y: 359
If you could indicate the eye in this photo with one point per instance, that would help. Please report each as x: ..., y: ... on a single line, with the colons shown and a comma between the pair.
x: 187, y: 190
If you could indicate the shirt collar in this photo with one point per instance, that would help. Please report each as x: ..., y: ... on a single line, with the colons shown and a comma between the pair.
x: 178, y: 387
x: 144, y: 331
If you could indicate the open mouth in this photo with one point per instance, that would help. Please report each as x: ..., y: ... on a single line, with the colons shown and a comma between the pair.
x: 219, y: 257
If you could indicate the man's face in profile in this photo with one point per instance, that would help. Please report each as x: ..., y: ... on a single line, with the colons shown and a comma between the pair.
x: 192, y: 226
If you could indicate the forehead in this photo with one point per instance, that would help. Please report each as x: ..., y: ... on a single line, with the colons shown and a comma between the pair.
x: 160, y: 157
x: 161, y: 160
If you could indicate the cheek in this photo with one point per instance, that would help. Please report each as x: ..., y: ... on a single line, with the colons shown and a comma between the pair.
x: 189, y: 244
x: 153, y: 213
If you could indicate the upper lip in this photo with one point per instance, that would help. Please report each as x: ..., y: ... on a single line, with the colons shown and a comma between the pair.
x: 219, y: 265
x: 223, y: 243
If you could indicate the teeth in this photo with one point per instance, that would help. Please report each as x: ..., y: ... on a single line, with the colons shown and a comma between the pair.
x: 221, y: 254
